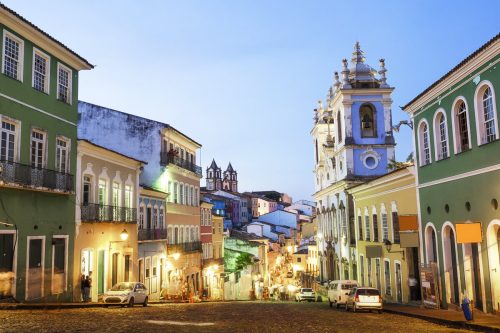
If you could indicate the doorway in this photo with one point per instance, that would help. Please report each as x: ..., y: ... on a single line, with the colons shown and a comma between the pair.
x: 476, y: 277
x: 34, y: 276
x: 399, y: 284
x: 493, y: 241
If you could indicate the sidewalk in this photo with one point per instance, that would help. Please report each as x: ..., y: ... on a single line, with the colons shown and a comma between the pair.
x: 482, y: 322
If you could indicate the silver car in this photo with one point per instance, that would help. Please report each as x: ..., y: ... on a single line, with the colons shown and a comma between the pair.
x: 305, y: 294
x: 364, y: 298
x: 126, y: 294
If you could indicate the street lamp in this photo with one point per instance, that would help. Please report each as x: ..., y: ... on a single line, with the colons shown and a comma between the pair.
x: 388, y: 247
x: 124, y: 235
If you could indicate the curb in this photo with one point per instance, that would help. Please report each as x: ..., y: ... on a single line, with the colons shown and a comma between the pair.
x: 445, y: 322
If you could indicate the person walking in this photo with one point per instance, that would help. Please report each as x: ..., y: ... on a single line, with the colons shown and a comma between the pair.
x: 412, y: 283
x: 86, y: 287
x: 82, y: 287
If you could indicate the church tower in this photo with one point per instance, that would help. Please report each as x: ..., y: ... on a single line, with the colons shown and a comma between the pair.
x: 353, y: 143
x: 230, y: 181
x: 214, y: 177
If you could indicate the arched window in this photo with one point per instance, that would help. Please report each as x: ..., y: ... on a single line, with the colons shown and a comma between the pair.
x: 424, y: 145
x: 461, y: 126
x: 486, y: 113
x: 339, y: 127
x: 440, y: 136
x: 368, y: 124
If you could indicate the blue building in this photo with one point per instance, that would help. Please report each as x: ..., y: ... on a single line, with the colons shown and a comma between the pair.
x: 353, y: 143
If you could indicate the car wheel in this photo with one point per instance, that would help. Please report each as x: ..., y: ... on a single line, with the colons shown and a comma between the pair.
x: 131, y: 302
x: 145, y: 302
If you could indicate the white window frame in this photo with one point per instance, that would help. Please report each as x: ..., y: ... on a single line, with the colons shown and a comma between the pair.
x: 66, y: 243
x: 385, y: 224
x: 70, y: 83
x: 390, y: 278
x: 44, y: 146
x: 68, y: 150
x: 421, y: 135
x: 46, y: 87
x: 26, y: 284
x: 479, y: 112
x: 438, y: 142
x: 457, y: 139
x: 16, y: 132
x: 20, y: 62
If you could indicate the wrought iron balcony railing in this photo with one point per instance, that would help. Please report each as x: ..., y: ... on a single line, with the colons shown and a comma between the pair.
x: 28, y: 176
x: 152, y: 234
x: 184, y: 247
x: 169, y: 158
x: 105, y: 213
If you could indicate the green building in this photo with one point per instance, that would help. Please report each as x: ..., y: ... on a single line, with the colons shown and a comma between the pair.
x: 457, y: 150
x: 38, y: 116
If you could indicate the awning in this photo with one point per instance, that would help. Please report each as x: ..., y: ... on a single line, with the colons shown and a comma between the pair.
x: 408, y: 239
x: 374, y: 251
x: 469, y: 232
x: 408, y: 223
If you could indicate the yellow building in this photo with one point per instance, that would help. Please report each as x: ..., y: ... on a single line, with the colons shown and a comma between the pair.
x: 182, y: 214
x: 387, y: 238
x: 107, y: 187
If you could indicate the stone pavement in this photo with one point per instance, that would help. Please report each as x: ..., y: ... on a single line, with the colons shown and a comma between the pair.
x: 454, y: 318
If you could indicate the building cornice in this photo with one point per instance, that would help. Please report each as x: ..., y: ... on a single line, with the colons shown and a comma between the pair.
x: 28, y: 30
x: 462, y: 71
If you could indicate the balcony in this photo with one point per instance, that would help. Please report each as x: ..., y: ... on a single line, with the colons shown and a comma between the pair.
x: 27, y: 176
x: 152, y: 234
x: 184, y: 247
x: 169, y: 158
x: 105, y: 213
x: 211, y: 261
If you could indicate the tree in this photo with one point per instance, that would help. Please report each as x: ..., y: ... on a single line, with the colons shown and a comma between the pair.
x: 243, y: 260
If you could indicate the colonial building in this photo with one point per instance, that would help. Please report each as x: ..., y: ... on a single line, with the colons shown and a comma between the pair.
x: 387, y: 234
x: 172, y: 169
x: 107, y: 186
x: 353, y: 142
x: 38, y: 115
x: 152, y: 237
x: 456, y: 146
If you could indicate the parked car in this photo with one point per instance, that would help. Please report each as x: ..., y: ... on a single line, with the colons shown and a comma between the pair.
x: 364, y: 298
x: 305, y: 294
x: 126, y: 294
x: 338, y: 291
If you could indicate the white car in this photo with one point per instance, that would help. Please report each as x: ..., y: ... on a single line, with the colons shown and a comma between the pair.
x: 364, y: 298
x: 126, y: 293
x: 338, y: 291
x: 305, y: 294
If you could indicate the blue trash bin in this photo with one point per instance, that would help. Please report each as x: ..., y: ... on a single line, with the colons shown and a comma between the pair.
x: 466, y: 309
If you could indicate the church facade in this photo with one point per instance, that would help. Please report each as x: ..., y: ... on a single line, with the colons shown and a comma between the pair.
x: 353, y: 143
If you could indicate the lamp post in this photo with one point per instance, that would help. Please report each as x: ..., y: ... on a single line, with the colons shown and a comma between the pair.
x: 388, y: 247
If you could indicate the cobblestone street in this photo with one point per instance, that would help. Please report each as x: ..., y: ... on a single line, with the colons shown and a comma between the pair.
x: 212, y: 317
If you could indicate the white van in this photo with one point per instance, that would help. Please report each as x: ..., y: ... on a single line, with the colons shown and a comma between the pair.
x: 339, y: 290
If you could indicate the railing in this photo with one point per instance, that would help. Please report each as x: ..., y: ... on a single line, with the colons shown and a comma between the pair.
x: 26, y: 175
x: 105, y: 213
x: 152, y: 234
x: 184, y: 247
x: 167, y: 158
x: 211, y: 261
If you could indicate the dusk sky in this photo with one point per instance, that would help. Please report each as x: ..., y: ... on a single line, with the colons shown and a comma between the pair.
x: 243, y: 77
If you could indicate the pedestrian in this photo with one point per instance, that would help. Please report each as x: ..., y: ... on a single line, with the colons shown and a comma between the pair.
x: 412, y: 283
x: 86, y: 286
x: 82, y: 287
x: 282, y: 292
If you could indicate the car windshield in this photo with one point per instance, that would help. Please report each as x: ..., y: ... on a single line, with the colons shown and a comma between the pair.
x: 368, y: 292
x: 348, y: 286
x: 307, y: 290
x: 123, y: 286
